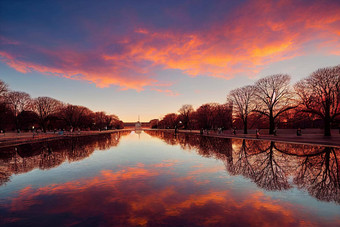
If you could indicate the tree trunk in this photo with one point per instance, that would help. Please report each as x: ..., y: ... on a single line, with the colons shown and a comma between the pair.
x: 245, y: 126
x: 327, y: 122
x: 43, y: 125
x: 16, y: 123
x: 271, y: 123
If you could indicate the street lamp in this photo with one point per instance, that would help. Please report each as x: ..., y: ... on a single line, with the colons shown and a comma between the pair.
x: 176, y: 127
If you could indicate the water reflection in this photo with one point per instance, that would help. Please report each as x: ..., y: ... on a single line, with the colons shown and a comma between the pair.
x: 46, y: 155
x: 147, y: 183
x: 134, y: 197
x: 270, y: 164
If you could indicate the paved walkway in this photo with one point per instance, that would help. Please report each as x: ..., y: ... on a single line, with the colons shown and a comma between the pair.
x: 12, y: 138
x: 318, y: 139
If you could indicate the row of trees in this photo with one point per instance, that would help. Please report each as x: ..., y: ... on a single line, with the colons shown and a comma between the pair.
x: 316, y: 97
x: 207, y: 116
x: 19, y: 111
x: 270, y: 102
x: 270, y: 96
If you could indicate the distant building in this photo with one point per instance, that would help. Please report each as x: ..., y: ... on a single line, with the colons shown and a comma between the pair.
x: 138, y: 125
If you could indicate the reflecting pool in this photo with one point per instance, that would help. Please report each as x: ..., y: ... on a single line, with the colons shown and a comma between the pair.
x: 155, y: 178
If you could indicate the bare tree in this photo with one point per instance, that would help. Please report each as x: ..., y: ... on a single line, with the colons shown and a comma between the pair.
x: 319, y: 94
x: 115, y: 123
x: 99, y: 119
x: 169, y: 121
x: 205, y: 116
x: 3, y: 88
x: 243, y: 103
x: 273, y: 97
x: 109, y: 119
x: 45, y: 107
x: 185, y: 113
x: 104, y: 121
x: 213, y: 116
x: 3, y: 107
x: 18, y: 101
x: 222, y: 115
x: 72, y: 115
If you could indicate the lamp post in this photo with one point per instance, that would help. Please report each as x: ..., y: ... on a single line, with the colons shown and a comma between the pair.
x: 176, y: 127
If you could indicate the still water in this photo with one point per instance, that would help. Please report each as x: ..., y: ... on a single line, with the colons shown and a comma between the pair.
x: 154, y: 178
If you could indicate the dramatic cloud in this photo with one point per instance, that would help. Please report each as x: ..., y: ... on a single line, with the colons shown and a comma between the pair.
x: 248, y: 38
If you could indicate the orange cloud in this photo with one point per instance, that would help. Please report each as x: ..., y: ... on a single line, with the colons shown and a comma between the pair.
x: 255, y: 35
x: 166, y: 91
x: 102, y: 77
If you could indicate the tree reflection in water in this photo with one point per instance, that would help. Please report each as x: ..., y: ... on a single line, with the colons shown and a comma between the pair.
x: 320, y: 175
x: 47, y: 155
x: 270, y: 164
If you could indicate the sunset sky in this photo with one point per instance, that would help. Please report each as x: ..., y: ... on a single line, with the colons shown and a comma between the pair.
x: 148, y: 58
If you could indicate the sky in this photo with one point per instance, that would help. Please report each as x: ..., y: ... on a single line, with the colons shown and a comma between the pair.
x: 149, y: 58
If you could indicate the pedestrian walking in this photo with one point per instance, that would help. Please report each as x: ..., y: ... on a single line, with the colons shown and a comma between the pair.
x: 298, y: 132
x: 257, y: 133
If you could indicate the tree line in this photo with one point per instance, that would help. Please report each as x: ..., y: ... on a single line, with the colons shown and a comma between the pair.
x: 207, y: 116
x: 271, y: 102
x: 18, y: 111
